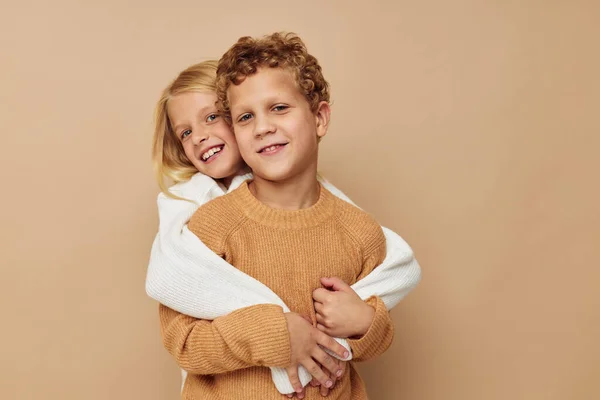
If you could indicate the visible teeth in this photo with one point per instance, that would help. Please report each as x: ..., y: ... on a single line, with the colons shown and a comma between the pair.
x: 211, y: 152
x: 270, y: 148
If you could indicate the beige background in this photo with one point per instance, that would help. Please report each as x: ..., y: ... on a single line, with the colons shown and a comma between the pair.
x: 469, y: 127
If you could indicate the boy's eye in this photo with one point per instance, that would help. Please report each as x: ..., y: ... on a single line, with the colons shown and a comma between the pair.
x: 280, y: 108
x: 244, y: 117
x: 185, y: 134
x: 212, y: 117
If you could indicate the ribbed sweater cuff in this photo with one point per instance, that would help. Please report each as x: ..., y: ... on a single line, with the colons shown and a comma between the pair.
x: 261, y: 330
x: 380, y: 331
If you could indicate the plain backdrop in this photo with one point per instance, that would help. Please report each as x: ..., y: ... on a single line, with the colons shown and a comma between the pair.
x: 469, y: 127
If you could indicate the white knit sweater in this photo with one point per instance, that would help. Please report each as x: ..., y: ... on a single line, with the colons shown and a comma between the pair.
x: 187, y: 276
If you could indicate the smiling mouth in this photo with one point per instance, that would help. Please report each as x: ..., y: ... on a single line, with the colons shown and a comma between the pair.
x: 211, y: 152
x: 272, y: 148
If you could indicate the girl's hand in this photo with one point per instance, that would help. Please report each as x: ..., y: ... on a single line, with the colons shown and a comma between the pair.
x: 307, y: 345
x: 340, y: 312
x: 325, y: 391
x: 314, y: 383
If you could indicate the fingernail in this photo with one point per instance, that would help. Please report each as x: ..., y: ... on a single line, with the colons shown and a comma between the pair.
x: 339, y: 373
x: 328, y: 384
x: 346, y: 354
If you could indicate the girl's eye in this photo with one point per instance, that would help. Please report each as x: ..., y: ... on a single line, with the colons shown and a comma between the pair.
x: 212, y: 117
x: 244, y: 117
x: 280, y: 108
x: 185, y: 134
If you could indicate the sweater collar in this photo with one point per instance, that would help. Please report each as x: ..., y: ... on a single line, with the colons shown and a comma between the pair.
x: 284, y: 219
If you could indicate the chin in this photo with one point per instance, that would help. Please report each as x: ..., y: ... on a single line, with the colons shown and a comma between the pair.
x: 275, y: 172
x: 272, y: 176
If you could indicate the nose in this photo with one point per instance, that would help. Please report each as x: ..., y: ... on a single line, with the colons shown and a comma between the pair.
x: 263, y: 126
x: 198, y: 137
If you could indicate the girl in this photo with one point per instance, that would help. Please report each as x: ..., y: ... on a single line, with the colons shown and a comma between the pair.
x: 195, y: 148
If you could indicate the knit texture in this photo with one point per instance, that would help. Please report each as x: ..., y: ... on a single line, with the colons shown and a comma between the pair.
x: 288, y: 251
x: 188, y: 277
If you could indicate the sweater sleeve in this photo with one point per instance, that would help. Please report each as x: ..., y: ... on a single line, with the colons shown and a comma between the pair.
x: 186, y: 274
x: 380, y: 334
x: 397, y: 274
x: 252, y: 336
x: 255, y: 335
x: 175, y: 276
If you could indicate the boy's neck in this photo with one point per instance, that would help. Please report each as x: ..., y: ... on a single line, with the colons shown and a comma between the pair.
x: 226, y: 182
x: 293, y: 194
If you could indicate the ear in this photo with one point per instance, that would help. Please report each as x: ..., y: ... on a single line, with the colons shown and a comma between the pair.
x: 322, y: 116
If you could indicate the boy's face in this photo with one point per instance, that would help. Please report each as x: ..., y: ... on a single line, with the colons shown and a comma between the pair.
x: 205, y: 136
x: 276, y: 131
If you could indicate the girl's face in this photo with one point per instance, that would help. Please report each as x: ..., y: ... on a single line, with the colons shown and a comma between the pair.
x: 207, y: 140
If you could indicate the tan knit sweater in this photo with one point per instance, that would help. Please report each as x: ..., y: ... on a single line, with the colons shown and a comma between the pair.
x: 289, y: 251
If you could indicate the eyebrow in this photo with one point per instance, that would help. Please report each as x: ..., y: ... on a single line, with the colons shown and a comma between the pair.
x: 243, y: 110
x: 200, y: 111
x: 177, y: 127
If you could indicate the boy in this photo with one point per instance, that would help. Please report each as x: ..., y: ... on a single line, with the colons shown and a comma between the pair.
x: 285, y: 230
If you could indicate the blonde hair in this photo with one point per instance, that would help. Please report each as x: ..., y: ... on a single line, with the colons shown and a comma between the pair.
x: 168, y: 157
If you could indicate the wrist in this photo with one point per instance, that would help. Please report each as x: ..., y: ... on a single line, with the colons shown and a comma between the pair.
x: 367, y: 314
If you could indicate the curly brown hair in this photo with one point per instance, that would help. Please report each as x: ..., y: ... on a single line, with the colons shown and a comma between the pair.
x: 278, y: 50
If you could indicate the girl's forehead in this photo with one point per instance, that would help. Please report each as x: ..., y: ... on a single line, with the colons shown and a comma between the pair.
x: 190, y: 100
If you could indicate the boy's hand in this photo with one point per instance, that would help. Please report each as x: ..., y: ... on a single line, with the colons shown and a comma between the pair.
x: 305, y: 342
x: 340, y: 312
